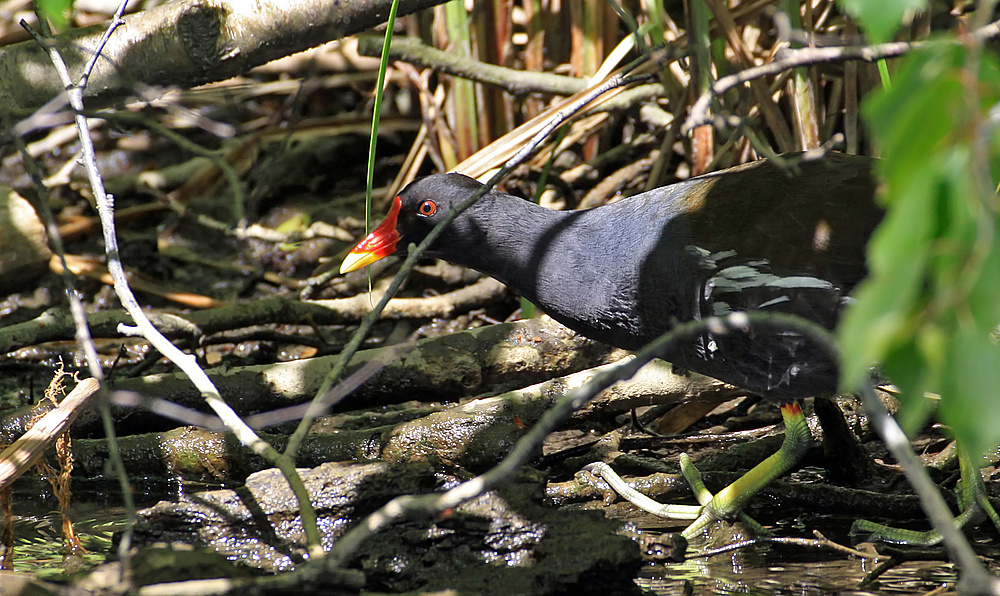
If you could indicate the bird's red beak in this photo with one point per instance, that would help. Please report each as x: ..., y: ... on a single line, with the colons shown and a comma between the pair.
x: 377, y: 245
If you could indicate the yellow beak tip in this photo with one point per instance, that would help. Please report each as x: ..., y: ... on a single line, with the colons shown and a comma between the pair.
x: 356, y: 260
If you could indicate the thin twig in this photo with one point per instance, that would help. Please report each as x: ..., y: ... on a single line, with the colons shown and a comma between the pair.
x: 143, y: 326
x: 76, y: 307
x: 219, y: 161
x: 527, y: 447
x: 168, y: 409
x: 819, y: 542
x: 415, y: 252
x: 515, y: 82
x: 975, y: 576
x: 791, y: 59
x: 808, y: 57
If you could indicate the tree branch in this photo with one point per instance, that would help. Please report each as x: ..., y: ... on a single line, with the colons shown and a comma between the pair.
x: 184, y: 43
x: 516, y: 82
x: 808, y: 57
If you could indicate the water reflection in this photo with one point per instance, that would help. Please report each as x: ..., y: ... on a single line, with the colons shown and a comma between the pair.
x: 783, y: 570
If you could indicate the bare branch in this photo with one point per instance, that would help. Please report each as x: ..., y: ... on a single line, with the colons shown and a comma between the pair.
x: 32, y: 445
x: 184, y: 43
x: 517, y: 82
x: 807, y: 57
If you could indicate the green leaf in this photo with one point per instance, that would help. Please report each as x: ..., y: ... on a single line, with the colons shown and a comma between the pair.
x: 909, y: 120
x: 57, y: 12
x: 905, y: 366
x: 928, y: 310
x: 971, y: 405
x: 880, y: 18
x: 870, y: 328
x: 984, y: 298
x: 886, y: 300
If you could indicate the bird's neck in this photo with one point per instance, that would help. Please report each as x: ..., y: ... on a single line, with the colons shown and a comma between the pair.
x: 577, y: 266
x: 514, y: 246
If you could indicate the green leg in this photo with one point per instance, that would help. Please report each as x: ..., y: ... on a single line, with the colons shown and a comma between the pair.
x: 640, y: 500
x: 972, y: 500
x: 728, y: 502
x: 705, y: 496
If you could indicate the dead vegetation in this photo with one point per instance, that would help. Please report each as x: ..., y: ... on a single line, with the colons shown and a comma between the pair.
x: 235, y: 200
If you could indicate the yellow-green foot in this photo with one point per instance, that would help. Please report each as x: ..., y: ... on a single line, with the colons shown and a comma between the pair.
x: 727, y: 503
x: 972, y: 500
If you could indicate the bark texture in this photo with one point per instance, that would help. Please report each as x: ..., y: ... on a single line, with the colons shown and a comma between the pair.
x: 185, y: 43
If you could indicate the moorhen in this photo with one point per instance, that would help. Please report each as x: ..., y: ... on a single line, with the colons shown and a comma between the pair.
x: 753, y: 237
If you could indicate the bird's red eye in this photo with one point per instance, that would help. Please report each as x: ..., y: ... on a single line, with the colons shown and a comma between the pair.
x: 427, y: 208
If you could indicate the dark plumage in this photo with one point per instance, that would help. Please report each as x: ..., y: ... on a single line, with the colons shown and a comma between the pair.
x: 747, y: 238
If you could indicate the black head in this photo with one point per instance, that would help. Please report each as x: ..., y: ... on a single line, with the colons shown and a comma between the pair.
x: 415, y: 212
